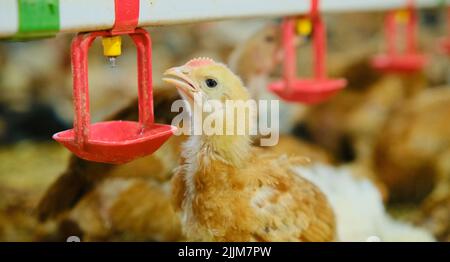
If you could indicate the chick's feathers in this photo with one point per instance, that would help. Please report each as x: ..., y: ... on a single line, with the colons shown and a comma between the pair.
x: 264, y: 201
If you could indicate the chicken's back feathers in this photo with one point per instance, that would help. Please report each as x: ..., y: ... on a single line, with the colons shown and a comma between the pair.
x: 265, y: 201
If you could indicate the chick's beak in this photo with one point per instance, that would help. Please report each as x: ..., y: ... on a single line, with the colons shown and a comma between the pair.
x: 180, y: 78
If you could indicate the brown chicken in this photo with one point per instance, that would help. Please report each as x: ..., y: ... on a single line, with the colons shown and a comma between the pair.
x: 365, y: 122
x: 413, y: 147
x: 228, y: 190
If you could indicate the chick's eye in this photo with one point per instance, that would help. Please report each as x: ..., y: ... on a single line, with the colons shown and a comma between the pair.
x: 211, y: 83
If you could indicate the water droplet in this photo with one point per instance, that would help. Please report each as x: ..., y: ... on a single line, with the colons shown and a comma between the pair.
x: 112, y: 61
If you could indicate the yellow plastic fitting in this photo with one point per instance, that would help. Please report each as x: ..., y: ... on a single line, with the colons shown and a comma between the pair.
x: 304, y: 26
x: 112, y: 46
x: 402, y: 16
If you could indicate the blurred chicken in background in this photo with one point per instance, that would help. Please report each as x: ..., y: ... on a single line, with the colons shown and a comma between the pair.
x: 412, y: 158
x: 412, y: 149
x: 358, y: 206
x: 26, y: 110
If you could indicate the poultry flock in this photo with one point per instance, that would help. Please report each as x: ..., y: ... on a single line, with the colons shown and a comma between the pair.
x: 374, y: 158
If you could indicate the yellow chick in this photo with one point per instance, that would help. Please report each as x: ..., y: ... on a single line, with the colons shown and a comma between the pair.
x: 227, y: 190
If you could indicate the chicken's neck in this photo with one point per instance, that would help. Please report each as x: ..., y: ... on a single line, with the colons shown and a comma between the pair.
x: 201, y: 151
x: 228, y: 143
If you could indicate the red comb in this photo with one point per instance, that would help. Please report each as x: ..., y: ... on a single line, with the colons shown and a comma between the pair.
x: 200, y: 61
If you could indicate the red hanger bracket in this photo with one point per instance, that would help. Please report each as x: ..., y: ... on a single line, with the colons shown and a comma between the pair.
x: 312, y: 90
x: 395, y: 61
x: 114, y: 141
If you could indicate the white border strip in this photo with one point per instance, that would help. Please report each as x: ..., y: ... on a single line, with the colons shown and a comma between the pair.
x: 91, y: 15
x: 9, y: 17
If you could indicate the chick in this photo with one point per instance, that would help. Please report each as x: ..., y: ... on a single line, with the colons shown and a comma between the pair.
x: 223, y: 190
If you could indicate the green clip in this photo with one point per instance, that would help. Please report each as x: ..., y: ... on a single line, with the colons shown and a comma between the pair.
x: 37, y: 18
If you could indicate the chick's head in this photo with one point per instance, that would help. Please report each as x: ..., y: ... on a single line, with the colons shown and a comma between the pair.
x: 203, y: 80
x: 203, y: 84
